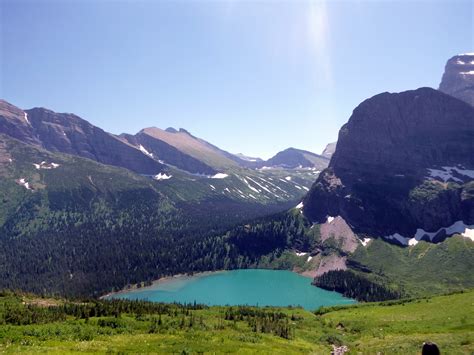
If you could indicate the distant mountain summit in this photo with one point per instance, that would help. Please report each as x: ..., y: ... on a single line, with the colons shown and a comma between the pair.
x: 292, y: 158
x: 329, y: 150
x: 184, y: 150
x: 247, y: 158
x: 404, y: 161
x: 458, y: 77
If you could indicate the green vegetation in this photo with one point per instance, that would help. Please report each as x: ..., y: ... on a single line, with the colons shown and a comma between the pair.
x: 420, y: 270
x: 353, y: 285
x: 31, y: 324
x: 86, y: 228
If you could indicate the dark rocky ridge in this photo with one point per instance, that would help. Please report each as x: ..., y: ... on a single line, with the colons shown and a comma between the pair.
x: 68, y: 133
x: 458, y: 77
x: 377, y: 178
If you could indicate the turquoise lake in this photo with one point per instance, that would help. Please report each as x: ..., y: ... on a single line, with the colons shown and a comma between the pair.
x: 240, y: 287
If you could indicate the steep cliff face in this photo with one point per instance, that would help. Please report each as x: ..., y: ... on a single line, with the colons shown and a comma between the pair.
x: 68, y: 133
x: 458, y: 77
x: 403, y: 161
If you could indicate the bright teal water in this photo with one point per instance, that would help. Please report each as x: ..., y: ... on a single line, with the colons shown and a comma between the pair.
x: 240, y: 287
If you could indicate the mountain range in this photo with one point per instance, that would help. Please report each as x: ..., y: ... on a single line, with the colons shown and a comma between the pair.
x: 62, y: 177
x: 84, y: 212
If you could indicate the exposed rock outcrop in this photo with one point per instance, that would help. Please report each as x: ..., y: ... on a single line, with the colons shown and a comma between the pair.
x: 339, y: 230
x: 379, y: 180
x: 328, y: 152
x: 331, y: 262
x: 458, y: 77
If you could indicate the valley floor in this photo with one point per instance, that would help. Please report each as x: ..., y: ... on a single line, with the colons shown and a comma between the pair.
x: 390, y: 328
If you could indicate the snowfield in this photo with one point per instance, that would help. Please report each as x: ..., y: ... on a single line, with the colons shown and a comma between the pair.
x: 458, y: 227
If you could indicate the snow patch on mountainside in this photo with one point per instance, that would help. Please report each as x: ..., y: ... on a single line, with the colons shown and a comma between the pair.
x: 412, y: 242
x: 366, y: 241
x: 46, y: 166
x: 458, y: 227
x: 398, y: 237
x: 24, y: 183
x: 26, y: 119
x: 276, y: 186
x: 161, y: 176
x: 219, y: 176
x: 251, y: 187
x: 144, y: 151
x: 299, y: 205
x: 263, y: 187
x: 447, y: 173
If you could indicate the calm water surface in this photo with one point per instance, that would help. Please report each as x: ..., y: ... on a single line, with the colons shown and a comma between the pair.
x: 240, y: 287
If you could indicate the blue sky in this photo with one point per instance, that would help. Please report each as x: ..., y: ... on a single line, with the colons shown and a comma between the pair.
x: 249, y: 76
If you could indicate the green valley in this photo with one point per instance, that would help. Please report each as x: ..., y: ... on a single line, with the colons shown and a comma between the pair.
x: 33, y: 325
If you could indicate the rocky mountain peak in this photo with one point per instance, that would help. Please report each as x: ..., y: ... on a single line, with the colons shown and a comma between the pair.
x: 329, y: 150
x: 388, y: 174
x: 458, y: 77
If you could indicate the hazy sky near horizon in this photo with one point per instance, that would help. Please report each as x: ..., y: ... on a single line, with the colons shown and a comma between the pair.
x: 248, y: 76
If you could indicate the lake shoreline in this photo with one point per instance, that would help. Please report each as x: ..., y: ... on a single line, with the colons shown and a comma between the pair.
x: 247, y: 287
x: 161, y: 280
x: 165, y: 279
